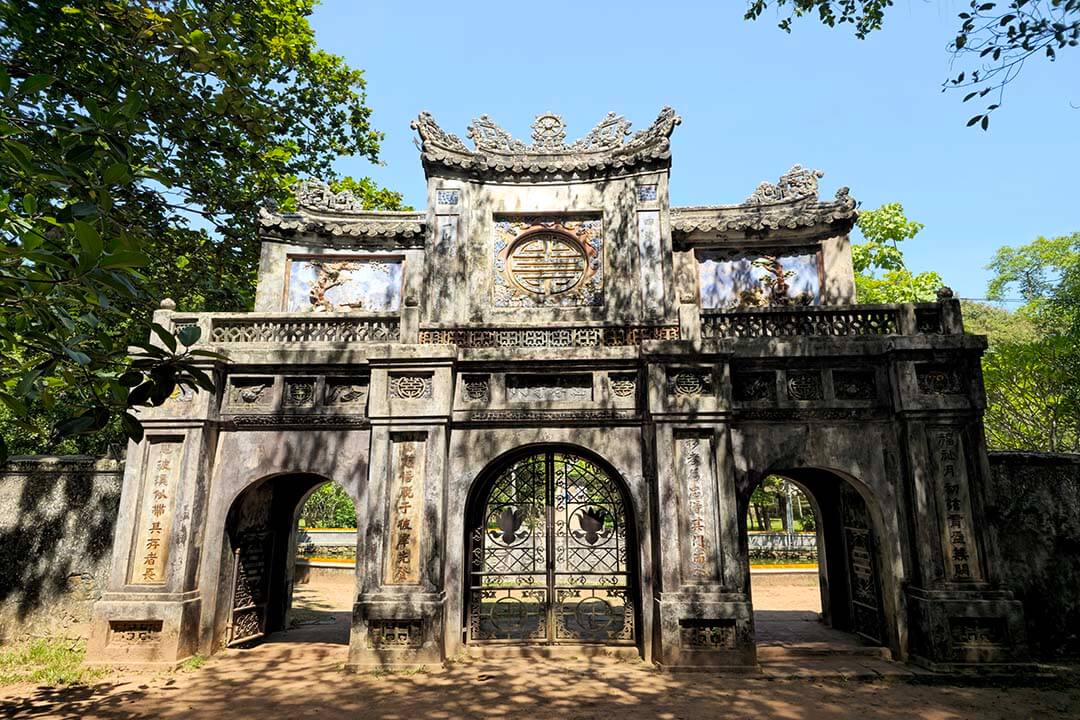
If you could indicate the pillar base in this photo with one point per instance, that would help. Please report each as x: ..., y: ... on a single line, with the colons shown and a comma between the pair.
x: 396, y: 631
x: 706, y: 630
x: 144, y: 629
x: 957, y: 629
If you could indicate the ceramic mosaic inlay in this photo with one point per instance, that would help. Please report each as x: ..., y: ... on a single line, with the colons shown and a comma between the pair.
x: 729, y: 283
x: 337, y: 285
x: 546, y: 262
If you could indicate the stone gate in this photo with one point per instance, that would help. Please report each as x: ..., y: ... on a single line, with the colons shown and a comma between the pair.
x: 550, y: 395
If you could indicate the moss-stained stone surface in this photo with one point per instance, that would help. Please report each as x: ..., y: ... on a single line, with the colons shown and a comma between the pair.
x: 1034, y: 512
x: 57, y: 516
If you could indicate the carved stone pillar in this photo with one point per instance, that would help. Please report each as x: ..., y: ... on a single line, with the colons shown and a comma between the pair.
x: 399, y: 616
x: 705, y: 618
x: 150, y: 613
x: 959, y: 614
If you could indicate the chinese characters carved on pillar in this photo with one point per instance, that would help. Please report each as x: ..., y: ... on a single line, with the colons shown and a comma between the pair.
x: 156, y: 514
x: 406, y: 512
x: 695, y: 475
x: 961, y: 555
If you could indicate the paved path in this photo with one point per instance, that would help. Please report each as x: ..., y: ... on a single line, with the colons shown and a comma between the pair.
x: 287, y: 678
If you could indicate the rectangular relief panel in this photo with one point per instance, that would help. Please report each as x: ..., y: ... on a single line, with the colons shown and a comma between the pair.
x: 547, y: 262
x: 157, y: 504
x: 549, y: 388
x: 407, y: 465
x: 697, y: 508
x: 344, y: 284
x: 739, y: 281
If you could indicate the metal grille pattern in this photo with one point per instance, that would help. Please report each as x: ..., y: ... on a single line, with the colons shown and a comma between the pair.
x: 549, y: 556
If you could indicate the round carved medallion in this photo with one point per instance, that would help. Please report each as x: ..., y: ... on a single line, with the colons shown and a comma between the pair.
x: 410, y: 386
x: 687, y: 383
x: 548, y: 262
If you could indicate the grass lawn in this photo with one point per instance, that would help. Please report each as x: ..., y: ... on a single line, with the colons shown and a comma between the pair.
x: 47, y: 661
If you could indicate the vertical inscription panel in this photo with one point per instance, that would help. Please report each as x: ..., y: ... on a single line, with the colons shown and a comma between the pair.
x: 950, y: 472
x: 156, y: 508
x: 697, y: 508
x: 406, y: 510
x: 650, y: 254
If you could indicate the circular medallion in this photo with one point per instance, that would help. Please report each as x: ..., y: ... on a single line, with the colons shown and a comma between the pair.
x: 410, y: 386
x: 594, y: 614
x: 687, y: 383
x: 546, y: 263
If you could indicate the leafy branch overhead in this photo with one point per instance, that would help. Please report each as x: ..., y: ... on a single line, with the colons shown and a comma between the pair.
x: 996, y: 39
x: 137, y: 140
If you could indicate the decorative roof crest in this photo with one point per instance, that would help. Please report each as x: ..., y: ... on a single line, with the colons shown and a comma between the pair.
x: 796, y: 184
x: 608, y: 144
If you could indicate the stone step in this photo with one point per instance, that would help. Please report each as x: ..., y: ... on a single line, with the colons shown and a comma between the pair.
x: 794, y: 651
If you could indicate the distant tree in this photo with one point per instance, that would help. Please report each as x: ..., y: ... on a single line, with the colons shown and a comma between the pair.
x: 137, y: 140
x: 998, y: 37
x: 1031, y: 371
x: 329, y: 507
x: 880, y: 273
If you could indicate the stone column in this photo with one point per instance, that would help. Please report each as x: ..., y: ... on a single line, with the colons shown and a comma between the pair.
x: 150, y: 613
x: 398, y: 618
x: 959, y: 615
x: 705, y: 617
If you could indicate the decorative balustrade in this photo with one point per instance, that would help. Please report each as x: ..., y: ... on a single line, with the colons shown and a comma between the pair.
x: 779, y: 322
x: 835, y: 321
x: 295, y: 328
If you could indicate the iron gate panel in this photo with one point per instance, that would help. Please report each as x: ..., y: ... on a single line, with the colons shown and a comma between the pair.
x: 550, y: 558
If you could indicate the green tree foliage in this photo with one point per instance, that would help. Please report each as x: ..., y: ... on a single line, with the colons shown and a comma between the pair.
x: 138, y: 139
x: 997, y: 37
x: 1030, y: 369
x: 329, y: 507
x: 880, y: 273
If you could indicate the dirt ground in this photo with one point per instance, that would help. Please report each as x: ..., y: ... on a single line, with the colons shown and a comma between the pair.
x: 298, y: 674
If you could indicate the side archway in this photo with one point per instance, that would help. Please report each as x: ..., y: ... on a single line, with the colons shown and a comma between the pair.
x: 852, y: 572
x: 258, y: 557
x: 551, y: 551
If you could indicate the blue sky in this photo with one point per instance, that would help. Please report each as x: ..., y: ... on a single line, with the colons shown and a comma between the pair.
x: 754, y: 101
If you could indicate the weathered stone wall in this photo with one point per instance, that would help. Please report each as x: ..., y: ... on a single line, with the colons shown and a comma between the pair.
x: 57, y: 516
x: 1034, y: 513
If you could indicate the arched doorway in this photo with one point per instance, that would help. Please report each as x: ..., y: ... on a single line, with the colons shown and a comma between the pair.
x: 849, y: 572
x: 259, y: 565
x: 552, y: 552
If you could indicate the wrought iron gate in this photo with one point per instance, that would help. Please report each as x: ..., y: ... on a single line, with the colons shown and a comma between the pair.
x: 864, y: 588
x: 252, y: 561
x: 549, y: 553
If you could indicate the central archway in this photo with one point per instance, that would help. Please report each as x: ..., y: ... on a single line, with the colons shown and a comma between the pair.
x: 552, y: 552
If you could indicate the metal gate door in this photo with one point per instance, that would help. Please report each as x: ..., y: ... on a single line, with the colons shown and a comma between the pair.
x: 549, y: 556
x: 867, y: 618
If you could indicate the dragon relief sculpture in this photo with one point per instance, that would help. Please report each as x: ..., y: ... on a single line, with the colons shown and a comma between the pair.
x: 796, y: 184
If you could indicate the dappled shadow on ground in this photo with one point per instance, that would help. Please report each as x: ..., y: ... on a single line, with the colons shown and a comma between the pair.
x: 306, y: 679
x: 772, y: 627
